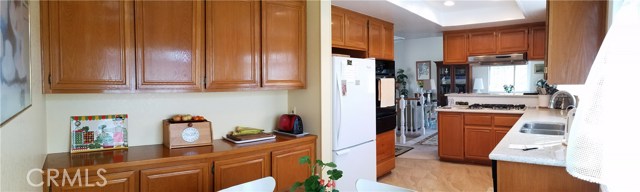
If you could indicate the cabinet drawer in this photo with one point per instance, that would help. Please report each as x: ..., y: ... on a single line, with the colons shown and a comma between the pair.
x: 477, y: 119
x: 385, y: 167
x: 385, y: 145
x: 505, y: 120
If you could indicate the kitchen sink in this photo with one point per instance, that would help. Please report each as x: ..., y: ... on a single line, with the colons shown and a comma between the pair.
x: 543, y: 128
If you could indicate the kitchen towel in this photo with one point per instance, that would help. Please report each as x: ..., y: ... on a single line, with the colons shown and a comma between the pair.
x: 386, y: 93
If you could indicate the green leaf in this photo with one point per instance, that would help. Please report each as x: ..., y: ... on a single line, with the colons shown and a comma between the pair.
x: 335, y: 174
x: 319, y: 162
x: 335, y: 190
x: 305, y: 159
x: 331, y: 164
x: 295, y: 186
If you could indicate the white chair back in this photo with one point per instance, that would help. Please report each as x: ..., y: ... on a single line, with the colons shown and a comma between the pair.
x: 267, y: 184
x: 372, y: 186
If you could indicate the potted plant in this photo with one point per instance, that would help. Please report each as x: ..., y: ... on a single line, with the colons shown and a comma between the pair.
x: 314, y: 183
x: 545, y: 90
x: 401, y: 80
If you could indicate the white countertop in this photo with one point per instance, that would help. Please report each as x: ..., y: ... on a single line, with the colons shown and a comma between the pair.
x: 465, y: 109
x: 552, y: 156
x: 489, y: 95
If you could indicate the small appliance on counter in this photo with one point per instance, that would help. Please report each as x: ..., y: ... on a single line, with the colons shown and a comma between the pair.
x: 186, y: 132
x: 290, y: 123
x: 562, y: 100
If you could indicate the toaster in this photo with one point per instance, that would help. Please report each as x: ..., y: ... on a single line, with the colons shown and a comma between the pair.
x: 290, y: 123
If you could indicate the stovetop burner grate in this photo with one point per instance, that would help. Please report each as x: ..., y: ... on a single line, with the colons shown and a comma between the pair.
x: 497, y: 106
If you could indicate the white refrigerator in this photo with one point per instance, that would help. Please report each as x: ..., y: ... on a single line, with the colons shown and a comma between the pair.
x: 354, y: 120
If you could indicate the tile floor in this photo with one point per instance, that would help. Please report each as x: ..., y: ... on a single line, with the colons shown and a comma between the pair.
x: 420, y: 170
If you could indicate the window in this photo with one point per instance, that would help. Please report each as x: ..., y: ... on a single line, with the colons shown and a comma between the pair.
x: 522, y: 77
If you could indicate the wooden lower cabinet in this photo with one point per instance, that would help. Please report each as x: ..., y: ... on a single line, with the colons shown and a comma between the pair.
x: 116, y: 182
x: 198, y: 169
x: 385, y: 152
x: 241, y: 169
x: 188, y: 177
x: 478, y: 144
x: 285, y: 166
x: 470, y: 137
x: 513, y: 176
x: 451, y: 136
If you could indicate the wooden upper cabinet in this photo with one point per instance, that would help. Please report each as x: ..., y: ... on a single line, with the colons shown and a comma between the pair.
x: 482, y: 42
x: 380, y: 39
x: 537, y: 42
x: 513, y: 40
x: 376, y: 39
x: 388, y: 44
x: 284, y: 44
x: 233, y: 45
x: 575, y: 32
x: 87, y: 46
x: 285, y: 168
x: 169, y: 44
x: 337, y: 26
x: 451, y: 136
x: 115, y: 182
x: 188, y: 177
x: 239, y: 169
x: 455, y: 48
x: 355, y: 35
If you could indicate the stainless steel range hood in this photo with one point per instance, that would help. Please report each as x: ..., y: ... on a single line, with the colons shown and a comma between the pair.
x: 507, y: 59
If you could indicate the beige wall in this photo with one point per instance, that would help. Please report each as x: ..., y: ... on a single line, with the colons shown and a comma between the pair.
x: 23, y: 139
x: 310, y: 102
x: 146, y: 111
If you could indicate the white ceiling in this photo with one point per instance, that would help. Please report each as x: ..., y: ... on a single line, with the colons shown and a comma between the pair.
x: 428, y: 18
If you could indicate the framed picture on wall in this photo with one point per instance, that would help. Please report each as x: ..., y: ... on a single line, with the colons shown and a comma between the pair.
x: 15, y: 82
x: 423, y: 70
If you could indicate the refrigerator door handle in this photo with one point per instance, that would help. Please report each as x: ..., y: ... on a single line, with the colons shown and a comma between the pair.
x: 342, y: 152
x: 338, y: 111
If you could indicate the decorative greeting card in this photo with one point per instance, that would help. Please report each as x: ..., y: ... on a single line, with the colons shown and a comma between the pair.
x: 98, y: 132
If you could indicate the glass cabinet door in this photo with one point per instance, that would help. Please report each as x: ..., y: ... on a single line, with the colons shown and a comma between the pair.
x: 444, y: 83
x: 460, y: 82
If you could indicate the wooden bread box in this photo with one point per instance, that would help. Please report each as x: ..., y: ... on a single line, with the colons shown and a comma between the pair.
x: 186, y: 134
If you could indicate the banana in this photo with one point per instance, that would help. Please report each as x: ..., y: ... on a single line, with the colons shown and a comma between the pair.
x: 240, y: 128
x: 246, y: 132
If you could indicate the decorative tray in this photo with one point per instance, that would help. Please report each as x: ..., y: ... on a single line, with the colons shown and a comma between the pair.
x: 290, y: 134
x: 263, y: 137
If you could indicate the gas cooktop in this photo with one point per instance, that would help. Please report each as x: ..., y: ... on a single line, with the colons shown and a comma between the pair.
x: 497, y: 106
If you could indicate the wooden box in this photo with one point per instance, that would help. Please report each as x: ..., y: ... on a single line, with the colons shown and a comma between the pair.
x: 186, y: 134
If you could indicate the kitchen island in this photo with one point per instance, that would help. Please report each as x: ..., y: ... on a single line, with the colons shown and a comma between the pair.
x: 538, y: 169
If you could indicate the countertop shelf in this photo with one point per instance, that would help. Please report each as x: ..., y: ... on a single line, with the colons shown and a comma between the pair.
x: 139, y: 155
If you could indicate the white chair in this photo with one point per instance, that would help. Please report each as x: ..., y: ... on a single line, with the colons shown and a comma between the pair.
x: 267, y: 184
x: 372, y: 186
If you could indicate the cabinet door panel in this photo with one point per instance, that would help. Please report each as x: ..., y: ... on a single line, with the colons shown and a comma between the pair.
x: 88, y: 46
x: 537, y: 42
x: 241, y: 169
x: 169, y: 38
x: 191, y: 177
x: 355, y: 35
x: 483, y: 42
x: 287, y: 170
x: 575, y: 32
x: 376, y: 39
x: 337, y: 26
x: 513, y: 40
x: 116, y: 182
x: 233, y: 44
x: 284, y: 44
x: 478, y: 143
x: 455, y: 48
x: 506, y: 121
x: 498, y: 135
x: 388, y: 42
x: 451, y: 135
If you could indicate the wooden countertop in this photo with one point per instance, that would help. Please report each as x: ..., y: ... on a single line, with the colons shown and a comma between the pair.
x: 140, y: 155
